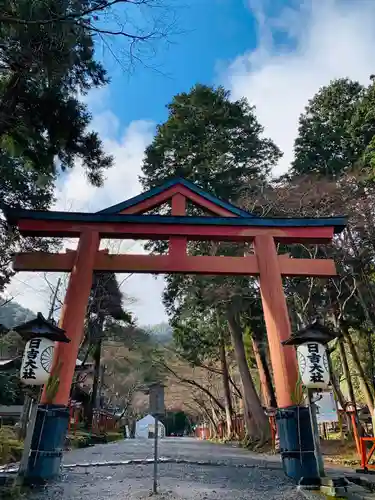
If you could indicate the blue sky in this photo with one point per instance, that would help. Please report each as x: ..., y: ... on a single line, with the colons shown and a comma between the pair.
x: 275, y: 53
x: 208, y: 35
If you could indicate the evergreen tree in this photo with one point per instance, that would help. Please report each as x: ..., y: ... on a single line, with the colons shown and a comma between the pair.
x: 45, y: 68
x: 212, y: 141
x: 104, y: 307
x: 336, y: 130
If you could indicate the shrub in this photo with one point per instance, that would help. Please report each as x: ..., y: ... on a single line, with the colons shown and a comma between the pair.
x: 114, y: 436
x: 10, y: 447
x: 84, y: 439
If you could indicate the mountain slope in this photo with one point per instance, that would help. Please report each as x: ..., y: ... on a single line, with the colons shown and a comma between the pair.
x: 13, y: 314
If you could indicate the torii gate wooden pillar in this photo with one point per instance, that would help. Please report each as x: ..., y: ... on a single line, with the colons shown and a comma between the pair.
x: 129, y: 220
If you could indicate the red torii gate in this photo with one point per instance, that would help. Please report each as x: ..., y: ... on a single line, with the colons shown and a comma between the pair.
x: 129, y: 220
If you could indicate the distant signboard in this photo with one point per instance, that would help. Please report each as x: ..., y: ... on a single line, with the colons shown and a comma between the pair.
x: 157, y: 399
x: 326, y: 408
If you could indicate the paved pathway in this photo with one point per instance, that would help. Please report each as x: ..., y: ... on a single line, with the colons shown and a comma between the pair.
x: 233, y: 474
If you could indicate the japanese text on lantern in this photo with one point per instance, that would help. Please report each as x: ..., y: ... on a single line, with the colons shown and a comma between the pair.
x: 37, y: 361
x: 316, y: 369
x: 313, y: 364
x: 32, y: 353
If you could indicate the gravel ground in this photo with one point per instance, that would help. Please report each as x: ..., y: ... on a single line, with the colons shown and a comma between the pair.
x: 240, y: 475
x: 176, y: 482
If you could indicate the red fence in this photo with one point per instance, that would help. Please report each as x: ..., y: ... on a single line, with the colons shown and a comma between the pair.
x: 202, y: 432
x: 367, y: 453
x: 103, y: 421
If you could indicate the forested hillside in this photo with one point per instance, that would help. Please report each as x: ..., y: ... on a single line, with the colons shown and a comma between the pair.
x: 13, y: 314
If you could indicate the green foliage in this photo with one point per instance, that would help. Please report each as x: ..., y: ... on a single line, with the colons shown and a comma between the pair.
x: 10, y: 448
x: 324, y: 144
x: 83, y: 439
x: 106, y: 298
x: 80, y: 439
x: 212, y: 141
x: 297, y: 393
x: 23, y: 186
x: 363, y: 129
x: 218, y: 144
x: 196, y: 336
x: 45, y: 68
x: 11, y: 392
x: 11, y: 346
x: 105, y: 320
x: 336, y: 131
x: 53, y: 383
x: 106, y: 317
x: 176, y: 423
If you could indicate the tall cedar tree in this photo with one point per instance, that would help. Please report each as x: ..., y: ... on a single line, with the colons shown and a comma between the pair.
x: 212, y: 141
x: 105, y: 305
x: 45, y: 68
x: 336, y: 131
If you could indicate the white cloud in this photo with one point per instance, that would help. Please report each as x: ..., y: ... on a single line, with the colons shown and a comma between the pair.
x: 330, y: 38
x: 75, y: 194
x: 121, y: 182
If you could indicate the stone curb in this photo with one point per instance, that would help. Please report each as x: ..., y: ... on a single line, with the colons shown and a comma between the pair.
x: 13, y: 469
x: 163, y: 460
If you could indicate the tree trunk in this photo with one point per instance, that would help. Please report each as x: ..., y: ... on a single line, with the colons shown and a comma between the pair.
x: 226, y: 388
x: 337, y: 390
x: 209, y: 415
x: 216, y: 420
x: 132, y: 427
x: 346, y: 371
x: 24, y: 417
x: 257, y: 425
x: 264, y: 374
x: 348, y: 378
x: 95, y: 384
x: 357, y: 363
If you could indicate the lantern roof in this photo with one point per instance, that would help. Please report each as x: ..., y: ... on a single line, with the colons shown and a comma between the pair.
x: 314, y: 332
x: 41, y: 327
